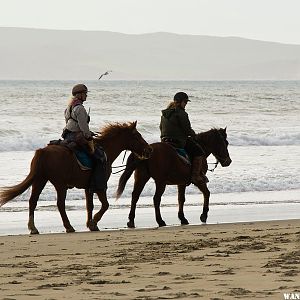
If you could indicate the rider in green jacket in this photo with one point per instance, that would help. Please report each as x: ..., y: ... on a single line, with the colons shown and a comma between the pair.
x: 175, y: 128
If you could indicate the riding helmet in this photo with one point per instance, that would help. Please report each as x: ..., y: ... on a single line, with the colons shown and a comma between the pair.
x: 79, y: 88
x: 181, y: 96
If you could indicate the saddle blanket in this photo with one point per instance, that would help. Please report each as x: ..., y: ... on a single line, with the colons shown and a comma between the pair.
x: 83, y: 160
x: 182, y: 153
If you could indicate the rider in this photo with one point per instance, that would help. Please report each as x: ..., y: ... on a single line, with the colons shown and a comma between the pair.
x: 77, y: 130
x: 175, y: 128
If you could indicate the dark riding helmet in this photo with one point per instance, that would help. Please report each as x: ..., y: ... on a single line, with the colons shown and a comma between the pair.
x: 181, y: 96
x: 79, y: 88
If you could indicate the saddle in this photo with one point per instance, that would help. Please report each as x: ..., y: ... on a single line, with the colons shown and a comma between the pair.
x: 83, y: 159
x: 180, y: 151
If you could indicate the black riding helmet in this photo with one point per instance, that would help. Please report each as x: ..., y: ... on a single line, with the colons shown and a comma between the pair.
x: 181, y: 96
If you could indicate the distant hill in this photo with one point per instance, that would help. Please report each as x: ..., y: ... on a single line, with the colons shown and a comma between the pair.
x: 64, y: 54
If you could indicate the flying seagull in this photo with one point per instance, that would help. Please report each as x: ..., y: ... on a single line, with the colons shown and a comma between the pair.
x: 106, y: 73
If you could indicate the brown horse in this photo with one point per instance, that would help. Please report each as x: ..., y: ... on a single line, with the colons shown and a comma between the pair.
x: 58, y: 165
x: 166, y: 167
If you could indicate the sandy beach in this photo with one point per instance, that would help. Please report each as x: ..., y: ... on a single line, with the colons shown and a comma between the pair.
x: 254, y: 260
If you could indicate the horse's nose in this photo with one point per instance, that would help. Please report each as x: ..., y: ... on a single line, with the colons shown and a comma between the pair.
x: 225, y: 162
x: 228, y: 161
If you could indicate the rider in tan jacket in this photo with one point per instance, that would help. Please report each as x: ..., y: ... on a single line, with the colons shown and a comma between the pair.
x: 77, y: 130
x: 76, y: 117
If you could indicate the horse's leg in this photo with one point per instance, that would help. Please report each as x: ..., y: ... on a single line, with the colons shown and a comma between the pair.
x: 89, y: 207
x: 181, y: 200
x: 61, y: 199
x: 206, y: 193
x: 37, y: 187
x: 140, y: 179
x: 104, y: 207
x: 160, y: 188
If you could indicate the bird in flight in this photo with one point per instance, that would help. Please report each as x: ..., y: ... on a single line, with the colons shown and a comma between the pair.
x: 106, y: 73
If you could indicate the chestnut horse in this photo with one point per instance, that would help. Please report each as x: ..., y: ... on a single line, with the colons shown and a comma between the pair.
x: 58, y: 165
x: 166, y: 167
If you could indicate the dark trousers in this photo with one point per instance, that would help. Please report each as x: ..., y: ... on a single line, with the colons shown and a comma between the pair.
x: 99, y: 175
x: 98, y: 180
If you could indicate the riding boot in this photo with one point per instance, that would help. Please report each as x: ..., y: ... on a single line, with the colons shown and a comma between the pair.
x: 199, y: 169
x: 98, y: 181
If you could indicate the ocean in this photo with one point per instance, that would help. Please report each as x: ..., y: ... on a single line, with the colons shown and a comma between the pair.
x: 263, y: 127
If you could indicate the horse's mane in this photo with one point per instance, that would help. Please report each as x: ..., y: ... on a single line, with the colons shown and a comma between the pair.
x: 206, y: 135
x: 112, y: 129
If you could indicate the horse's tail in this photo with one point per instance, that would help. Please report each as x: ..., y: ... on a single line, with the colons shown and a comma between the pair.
x: 131, y: 165
x: 9, y: 193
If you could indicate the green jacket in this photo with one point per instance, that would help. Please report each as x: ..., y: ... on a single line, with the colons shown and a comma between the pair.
x: 175, y: 124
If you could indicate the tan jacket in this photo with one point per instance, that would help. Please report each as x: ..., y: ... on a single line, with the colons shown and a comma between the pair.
x: 77, y: 120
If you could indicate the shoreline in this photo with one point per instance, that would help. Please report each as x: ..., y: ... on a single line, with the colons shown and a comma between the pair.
x: 51, y: 223
x: 224, y: 208
x: 216, y: 261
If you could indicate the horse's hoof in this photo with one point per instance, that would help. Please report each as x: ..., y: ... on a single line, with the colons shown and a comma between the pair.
x: 162, y: 224
x: 130, y: 224
x: 203, y: 219
x: 92, y: 226
x: 184, y: 222
x: 70, y: 230
x: 34, y: 231
x: 182, y: 219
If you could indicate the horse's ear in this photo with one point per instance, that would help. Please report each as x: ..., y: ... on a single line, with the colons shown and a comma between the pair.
x: 225, y: 128
x: 134, y: 124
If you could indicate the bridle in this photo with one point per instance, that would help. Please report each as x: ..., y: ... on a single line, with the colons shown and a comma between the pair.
x: 218, y: 158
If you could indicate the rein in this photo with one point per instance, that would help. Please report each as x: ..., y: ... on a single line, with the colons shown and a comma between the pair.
x: 98, y: 134
x: 216, y: 164
x: 119, y: 170
x: 121, y: 166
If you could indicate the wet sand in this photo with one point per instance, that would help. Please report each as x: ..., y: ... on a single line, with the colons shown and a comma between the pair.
x: 224, y: 208
x: 258, y: 260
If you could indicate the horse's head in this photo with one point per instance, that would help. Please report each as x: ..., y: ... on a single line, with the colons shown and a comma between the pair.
x: 220, y: 149
x: 215, y: 141
x: 137, y: 144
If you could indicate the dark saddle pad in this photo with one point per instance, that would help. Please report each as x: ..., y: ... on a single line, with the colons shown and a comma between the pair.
x: 83, y: 158
x: 183, y: 154
x: 180, y: 151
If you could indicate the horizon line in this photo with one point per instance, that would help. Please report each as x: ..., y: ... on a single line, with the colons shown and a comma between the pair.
x: 154, y: 32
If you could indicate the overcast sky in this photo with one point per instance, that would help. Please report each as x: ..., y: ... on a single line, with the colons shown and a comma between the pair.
x: 270, y: 20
